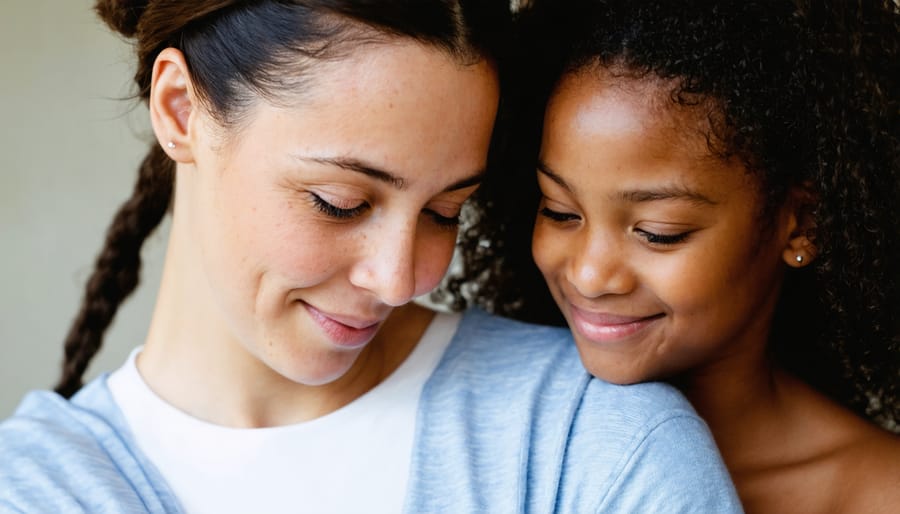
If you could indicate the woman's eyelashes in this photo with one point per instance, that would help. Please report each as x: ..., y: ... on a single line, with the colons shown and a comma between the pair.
x: 331, y: 210
x: 348, y: 213
x: 449, y: 222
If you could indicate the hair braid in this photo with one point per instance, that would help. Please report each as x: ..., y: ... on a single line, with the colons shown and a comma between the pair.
x: 117, y: 269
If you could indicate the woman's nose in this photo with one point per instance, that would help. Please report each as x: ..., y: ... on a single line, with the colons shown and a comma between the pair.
x: 386, y: 265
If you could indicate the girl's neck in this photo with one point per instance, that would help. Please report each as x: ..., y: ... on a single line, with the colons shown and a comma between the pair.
x: 763, y: 418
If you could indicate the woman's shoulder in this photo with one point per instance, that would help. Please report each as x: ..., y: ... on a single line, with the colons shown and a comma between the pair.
x: 481, y: 335
x: 496, y: 328
x: 543, y: 360
x: 512, y: 408
x: 69, y: 455
x: 46, y: 424
x: 490, y: 357
x: 490, y: 347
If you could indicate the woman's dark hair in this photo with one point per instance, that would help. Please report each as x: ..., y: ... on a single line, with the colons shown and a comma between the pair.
x: 238, y: 52
x: 804, y: 93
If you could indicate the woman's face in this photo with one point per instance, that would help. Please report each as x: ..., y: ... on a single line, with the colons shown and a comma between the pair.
x: 652, y: 247
x: 313, y: 222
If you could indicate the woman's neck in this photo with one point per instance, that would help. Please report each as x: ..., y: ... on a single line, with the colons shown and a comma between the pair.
x: 193, y: 360
x: 220, y: 382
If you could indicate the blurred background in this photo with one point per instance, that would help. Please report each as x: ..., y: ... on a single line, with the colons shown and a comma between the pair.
x: 70, y: 143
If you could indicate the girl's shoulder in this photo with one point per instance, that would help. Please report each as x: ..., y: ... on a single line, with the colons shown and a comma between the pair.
x: 872, y: 463
x: 830, y: 459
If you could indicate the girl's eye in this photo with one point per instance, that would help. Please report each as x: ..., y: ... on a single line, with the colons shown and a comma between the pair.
x: 559, y: 217
x: 662, y: 239
x: 448, y: 222
x: 334, y: 211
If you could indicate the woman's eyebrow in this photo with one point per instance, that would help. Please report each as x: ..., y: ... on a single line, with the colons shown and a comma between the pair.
x: 472, y: 180
x: 386, y: 176
x: 359, y: 167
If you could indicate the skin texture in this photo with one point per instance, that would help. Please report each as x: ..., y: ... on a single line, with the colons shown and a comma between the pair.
x: 282, y: 238
x: 656, y: 255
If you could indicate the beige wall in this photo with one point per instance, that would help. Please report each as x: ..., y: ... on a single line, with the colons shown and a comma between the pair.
x: 69, y: 150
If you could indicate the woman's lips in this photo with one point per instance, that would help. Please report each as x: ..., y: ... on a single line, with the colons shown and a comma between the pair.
x: 344, y: 331
x: 601, y: 327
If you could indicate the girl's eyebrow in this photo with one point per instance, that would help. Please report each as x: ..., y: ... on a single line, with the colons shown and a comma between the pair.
x: 663, y: 192
x: 666, y: 192
x: 552, y: 175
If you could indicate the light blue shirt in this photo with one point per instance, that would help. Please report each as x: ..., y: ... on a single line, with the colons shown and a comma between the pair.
x: 509, y: 422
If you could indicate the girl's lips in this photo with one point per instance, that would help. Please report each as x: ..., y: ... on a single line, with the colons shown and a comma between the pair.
x: 343, y: 331
x: 601, y: 327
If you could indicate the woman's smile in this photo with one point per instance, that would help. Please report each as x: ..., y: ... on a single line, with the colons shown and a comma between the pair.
x: 344, y: 331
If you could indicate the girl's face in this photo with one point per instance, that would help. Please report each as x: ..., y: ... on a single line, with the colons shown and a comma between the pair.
x: 653, y: 248
x: 315, y: 221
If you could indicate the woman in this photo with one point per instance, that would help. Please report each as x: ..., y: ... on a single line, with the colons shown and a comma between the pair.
x: 317, y: 156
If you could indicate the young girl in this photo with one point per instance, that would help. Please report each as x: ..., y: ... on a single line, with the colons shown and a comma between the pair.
x: 315, y: 156
x: 718, y: 207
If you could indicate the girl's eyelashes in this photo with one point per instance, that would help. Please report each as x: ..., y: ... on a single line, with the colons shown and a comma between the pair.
x: 557, y: 216
x: 662, y: 239
x: 334, y: 211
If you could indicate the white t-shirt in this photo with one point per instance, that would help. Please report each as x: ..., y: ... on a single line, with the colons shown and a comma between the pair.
x: 355, y: 459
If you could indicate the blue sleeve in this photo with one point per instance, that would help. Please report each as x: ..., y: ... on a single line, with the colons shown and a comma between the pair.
x: 58, y: 457
x: 642, y: 448
x: 674, y: 468
x: 511, y: 422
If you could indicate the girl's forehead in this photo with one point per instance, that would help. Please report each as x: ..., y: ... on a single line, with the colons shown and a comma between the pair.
x: 599, y: 101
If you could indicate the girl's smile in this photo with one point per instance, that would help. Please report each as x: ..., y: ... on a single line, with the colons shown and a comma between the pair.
x: 603, y: 327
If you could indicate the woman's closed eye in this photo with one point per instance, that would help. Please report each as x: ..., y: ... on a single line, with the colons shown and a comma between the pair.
x: 334, y: 211
x: 346, y: 213
x: 448, y: 222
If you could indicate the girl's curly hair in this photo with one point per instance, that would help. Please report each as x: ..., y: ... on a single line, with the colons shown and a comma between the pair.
x: 805, y: 93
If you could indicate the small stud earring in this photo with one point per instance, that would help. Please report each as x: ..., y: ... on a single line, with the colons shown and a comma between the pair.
x: 171, y: 144
x: 799, y: 258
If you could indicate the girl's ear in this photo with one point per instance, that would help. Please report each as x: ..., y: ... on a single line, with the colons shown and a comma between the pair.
x: 800, y: 249
x: 172, y: 102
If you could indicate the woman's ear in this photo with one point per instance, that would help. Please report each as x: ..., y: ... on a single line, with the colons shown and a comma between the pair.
x: 172, y: 102
x: 800, y: 249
